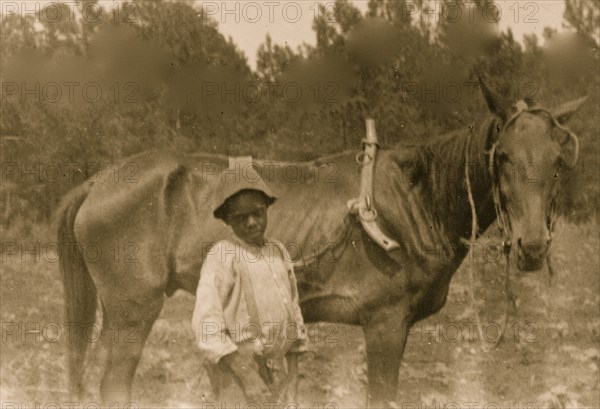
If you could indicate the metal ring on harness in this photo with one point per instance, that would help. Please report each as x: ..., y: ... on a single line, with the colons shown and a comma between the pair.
x: 368, y: 215
x: 363, y: 158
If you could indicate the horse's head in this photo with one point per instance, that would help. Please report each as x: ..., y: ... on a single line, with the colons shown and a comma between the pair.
x: 529, y: 151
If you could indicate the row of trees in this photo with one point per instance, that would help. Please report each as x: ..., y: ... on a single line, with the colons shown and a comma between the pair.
x: 79, y: 92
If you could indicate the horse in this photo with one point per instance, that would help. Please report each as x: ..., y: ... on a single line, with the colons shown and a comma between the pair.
x: 149, y: 224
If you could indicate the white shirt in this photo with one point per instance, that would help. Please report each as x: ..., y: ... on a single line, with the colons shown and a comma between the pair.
x: 221, y: 319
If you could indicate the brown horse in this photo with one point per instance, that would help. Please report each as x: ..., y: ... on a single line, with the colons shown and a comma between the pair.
x: 142, y: 231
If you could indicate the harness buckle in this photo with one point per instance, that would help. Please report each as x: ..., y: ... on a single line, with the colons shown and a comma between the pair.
x: 506, y: 246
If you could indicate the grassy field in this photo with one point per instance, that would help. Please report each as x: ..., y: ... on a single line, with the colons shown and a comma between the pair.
x: 549, y: 357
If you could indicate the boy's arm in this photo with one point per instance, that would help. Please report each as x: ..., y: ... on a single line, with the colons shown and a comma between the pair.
x: 301, y: 344
x: 246, y: 372
x: 208, y: 319
x: 298, y: 347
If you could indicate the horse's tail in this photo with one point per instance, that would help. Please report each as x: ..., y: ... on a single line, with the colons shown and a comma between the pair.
x: 79, y: 289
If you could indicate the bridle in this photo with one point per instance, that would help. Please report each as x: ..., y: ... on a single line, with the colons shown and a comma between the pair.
x: 500, y: 207
x: 502, y: 217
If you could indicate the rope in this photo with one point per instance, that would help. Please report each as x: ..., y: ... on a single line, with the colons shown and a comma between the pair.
x: 474, y: 229
x: 506, y: 249
x: 551, y: 224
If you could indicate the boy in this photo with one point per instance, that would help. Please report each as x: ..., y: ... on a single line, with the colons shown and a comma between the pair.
x: 247, y: 316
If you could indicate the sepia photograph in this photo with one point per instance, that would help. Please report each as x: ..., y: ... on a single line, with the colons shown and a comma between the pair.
x: 300, y: 204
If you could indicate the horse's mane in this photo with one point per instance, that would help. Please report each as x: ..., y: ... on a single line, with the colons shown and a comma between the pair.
x: 438, y: 165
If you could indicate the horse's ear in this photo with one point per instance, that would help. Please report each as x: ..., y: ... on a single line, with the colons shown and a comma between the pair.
x: 564, y: 112
x: 495, y: 102
x: 569, y: 146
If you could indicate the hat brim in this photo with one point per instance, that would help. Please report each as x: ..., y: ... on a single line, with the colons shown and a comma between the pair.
x: 221, y: 211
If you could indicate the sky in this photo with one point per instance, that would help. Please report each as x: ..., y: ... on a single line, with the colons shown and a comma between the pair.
x: 290, y: 22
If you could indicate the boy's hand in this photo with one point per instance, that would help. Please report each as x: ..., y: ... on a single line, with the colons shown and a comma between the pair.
x: 246, y: 371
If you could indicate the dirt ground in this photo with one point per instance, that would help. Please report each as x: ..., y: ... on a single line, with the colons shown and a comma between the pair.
x: 549, y: 357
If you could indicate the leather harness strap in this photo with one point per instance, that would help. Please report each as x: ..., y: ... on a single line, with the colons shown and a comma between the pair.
x: 241, y: 161
x: 363, y: 205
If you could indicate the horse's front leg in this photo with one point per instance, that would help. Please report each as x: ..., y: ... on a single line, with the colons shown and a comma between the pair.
x: 386, y: 330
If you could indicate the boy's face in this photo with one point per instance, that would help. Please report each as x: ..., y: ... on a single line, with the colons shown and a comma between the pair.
x: 247, y: 216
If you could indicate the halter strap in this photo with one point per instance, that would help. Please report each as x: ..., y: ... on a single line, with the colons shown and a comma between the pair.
x: 501, y: 219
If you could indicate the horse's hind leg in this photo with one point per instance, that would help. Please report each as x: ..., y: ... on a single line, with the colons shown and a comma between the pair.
x: 126, y: 328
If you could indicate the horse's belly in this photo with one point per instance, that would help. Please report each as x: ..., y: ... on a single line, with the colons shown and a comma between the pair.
x: 434, y: 294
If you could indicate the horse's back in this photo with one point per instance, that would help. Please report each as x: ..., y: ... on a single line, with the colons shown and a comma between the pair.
x: 150, y: 216
x: 312, y: 201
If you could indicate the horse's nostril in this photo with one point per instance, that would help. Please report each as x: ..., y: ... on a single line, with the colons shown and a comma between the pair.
x: 533, y: 249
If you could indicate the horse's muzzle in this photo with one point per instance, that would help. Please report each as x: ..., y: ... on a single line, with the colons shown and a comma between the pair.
x: 531, y: 254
